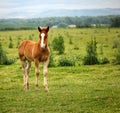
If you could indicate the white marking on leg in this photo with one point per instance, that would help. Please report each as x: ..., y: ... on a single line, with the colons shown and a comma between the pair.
x: 24, y: 74
x: 27, y: 66
x: 36, y: 81
x: 45, y: 80
x: 45, y: 71
x: 42, y: 40
x: 45, y: 75
x: 26, y: 79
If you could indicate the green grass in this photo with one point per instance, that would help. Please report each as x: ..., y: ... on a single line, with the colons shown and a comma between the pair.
x: 84, y: 89
x: 79, y: 89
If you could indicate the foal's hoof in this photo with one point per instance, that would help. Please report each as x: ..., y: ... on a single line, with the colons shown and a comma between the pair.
x: 26, y: 88
x: 46, y: 89
x: 37, y: 89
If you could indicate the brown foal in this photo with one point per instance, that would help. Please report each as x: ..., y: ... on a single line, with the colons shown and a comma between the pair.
x: 38, y: 52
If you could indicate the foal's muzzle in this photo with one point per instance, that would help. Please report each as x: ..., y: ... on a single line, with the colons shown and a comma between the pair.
x: 43, y: 46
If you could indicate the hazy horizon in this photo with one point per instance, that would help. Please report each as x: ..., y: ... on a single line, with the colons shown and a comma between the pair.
x: 30, y: 8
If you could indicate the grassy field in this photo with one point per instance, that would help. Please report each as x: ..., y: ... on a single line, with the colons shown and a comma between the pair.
x: 105, y: 37
x: 84, y: 89
x: 79, y: 89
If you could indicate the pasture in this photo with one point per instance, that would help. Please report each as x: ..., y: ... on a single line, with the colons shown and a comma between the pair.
x: 75, y: 89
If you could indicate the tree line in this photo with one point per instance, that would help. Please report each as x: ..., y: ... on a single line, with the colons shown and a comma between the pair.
x: 85, y: 21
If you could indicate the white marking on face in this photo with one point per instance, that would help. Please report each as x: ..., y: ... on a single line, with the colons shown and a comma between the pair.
x: 42, y: 40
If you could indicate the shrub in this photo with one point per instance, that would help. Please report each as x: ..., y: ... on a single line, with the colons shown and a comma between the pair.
x: 70, y: 41
x: 90, y: 60
x: 10, y: 43
x: 51, y: 61
x: 3, y: 57
x: 10, y: 61
x: 10, y: 38
x: 104, y: 60
x: 115, y: 44
x: 91, y: 57
x: 117, y: 55
x: 58, y: 44
x: 78, y: 60
x: 66, y: 61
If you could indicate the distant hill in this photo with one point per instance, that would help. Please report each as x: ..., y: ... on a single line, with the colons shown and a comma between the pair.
x: 80, y: 12
x: 13, y: 24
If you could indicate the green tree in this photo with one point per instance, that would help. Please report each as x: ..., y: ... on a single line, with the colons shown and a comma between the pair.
x: 91, y: 57
x: 115, y: 22
x: 58, y: 44
x: 3, y: 57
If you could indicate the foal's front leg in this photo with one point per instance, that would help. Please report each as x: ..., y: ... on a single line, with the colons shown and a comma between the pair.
x: 45, y: 69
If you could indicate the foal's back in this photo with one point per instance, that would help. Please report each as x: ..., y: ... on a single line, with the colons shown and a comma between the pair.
x: 25, y: 50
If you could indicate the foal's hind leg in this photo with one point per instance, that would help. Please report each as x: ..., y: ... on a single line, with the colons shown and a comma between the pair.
x: 24, y: 73
x: 26, y: 70
x: 27, y: 73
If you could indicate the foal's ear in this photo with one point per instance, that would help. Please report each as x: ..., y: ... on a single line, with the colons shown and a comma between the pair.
x: 47, y: 29
x: 39, y: 29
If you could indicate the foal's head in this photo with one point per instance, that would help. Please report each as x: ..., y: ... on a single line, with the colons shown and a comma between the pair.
x: 43, y: 36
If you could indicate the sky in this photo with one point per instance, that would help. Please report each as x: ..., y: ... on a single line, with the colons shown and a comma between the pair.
x: 29, y: 8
